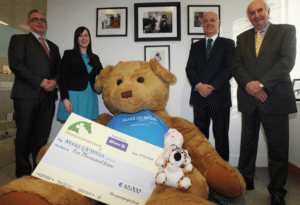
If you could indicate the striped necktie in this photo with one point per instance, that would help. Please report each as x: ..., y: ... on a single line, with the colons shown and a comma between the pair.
x: 208, y: 48
x: 44, y: 46
x: 258, y: 42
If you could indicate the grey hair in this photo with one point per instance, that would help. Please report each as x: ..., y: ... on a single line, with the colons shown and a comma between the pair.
x: 34, y: 11
x: 266, y: 5
x: 214, y: 14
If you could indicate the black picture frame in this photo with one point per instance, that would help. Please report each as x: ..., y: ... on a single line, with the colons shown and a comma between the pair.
x: 163, y: 52
x: 194, y: 11
x: 108, y: 27
x: 194, y: 40
x: 296, y: 88
x: 164, y: 27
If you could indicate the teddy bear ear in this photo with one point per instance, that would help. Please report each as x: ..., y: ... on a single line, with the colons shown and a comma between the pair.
x: 101, y: 78
x: 163, y: 73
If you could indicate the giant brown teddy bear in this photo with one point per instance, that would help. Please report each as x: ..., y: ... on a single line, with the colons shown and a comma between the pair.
x: 146, y: 87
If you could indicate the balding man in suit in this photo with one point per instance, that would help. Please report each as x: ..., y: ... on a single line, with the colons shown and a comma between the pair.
x: 209, y: 71
x: 34, y: 60
x: 263, y: 60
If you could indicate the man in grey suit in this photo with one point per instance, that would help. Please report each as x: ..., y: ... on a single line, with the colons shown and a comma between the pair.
x: 34, y: 61
x: 263, y: 60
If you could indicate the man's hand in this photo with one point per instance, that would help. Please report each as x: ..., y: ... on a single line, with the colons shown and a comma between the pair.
x: 44, y: 83
x: 253, y: 87
x: 50, y: 85
x: 204, y: 89
x: 261, y: 95
x: 68, y: 105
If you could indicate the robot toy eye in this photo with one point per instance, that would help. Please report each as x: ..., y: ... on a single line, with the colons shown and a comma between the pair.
x: 119, y: 82
x: 140, y: 80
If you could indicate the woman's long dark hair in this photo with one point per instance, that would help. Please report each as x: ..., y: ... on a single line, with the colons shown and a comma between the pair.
x: 76, y: 48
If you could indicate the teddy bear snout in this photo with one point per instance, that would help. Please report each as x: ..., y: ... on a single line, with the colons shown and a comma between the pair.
x: 127, y: 94
x: 177, y: 156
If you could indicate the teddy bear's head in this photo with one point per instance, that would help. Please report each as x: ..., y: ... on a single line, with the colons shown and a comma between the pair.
x: 178, y: 157
x: 133, y: 86
x: 173, y: 137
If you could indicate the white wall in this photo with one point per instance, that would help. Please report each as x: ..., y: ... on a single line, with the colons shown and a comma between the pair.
x: 64, y: 16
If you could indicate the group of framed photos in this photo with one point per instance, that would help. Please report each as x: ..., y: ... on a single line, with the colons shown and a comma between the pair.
x: 153, y: 22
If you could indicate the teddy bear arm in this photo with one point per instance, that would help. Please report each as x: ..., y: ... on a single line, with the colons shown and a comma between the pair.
x: 103, y: 119
x: 220, y: 175
x: 188, y: 168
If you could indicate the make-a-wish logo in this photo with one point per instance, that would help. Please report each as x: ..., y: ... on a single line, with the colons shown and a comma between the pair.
x: 81, y: 127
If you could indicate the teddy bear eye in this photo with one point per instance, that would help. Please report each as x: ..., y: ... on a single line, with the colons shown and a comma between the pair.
x: 119, y: 82
x: 140, y: 80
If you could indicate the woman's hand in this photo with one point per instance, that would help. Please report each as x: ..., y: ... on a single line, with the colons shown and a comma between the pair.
x: 68, y: 105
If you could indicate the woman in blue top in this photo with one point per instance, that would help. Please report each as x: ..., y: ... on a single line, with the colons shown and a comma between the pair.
x: 78, y: 70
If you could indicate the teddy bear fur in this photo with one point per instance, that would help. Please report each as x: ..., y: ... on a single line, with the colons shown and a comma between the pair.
x: 153, y: 94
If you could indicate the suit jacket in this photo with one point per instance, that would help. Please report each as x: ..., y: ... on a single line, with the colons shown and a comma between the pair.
x: 216, y: 71
x: 29, y: 62
x: 271, y: 67
x: 74, y: 75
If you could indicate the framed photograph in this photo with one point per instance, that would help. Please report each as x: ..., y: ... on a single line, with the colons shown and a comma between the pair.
x: 111, y: 22
x: 157, y: 21
x: 195, y: 17
x: 296, y: 87
x: 194, y: 40
x: 160, y: 53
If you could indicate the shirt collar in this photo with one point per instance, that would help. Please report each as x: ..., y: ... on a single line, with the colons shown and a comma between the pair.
x: 213, y: 38
x: 37, y: 36
x: 264, y: 29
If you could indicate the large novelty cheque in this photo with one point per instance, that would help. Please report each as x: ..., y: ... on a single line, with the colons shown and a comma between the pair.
x: 100, y: 163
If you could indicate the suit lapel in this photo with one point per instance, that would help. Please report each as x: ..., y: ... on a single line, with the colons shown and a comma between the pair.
x: 215, y: 47
x: 83, y: 66
x: 39, y: 45
x: 200, y: 48
x: 203, y: 47
x: 250, y: 38
x: 51, y: 49
x: 268, y: 38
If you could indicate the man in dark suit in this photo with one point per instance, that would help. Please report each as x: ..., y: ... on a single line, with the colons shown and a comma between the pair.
x: 263, y: 60
x: 209, y: 71
x: 34, y: 61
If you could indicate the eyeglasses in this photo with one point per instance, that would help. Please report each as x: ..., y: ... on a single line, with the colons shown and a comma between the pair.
x: 36, y: 20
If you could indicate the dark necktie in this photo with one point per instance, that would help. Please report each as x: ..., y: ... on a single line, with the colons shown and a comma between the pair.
x: 44, y: 46
x: 208, y: 48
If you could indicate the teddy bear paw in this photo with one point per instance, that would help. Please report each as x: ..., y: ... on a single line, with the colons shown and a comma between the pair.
x: 161, y: 178
x: 185, y: 183
x: 159, y: 162
x: 188, y: 168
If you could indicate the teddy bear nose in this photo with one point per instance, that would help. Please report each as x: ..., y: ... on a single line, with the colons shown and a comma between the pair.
x: 127, y: 94
x: 177, y: 156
